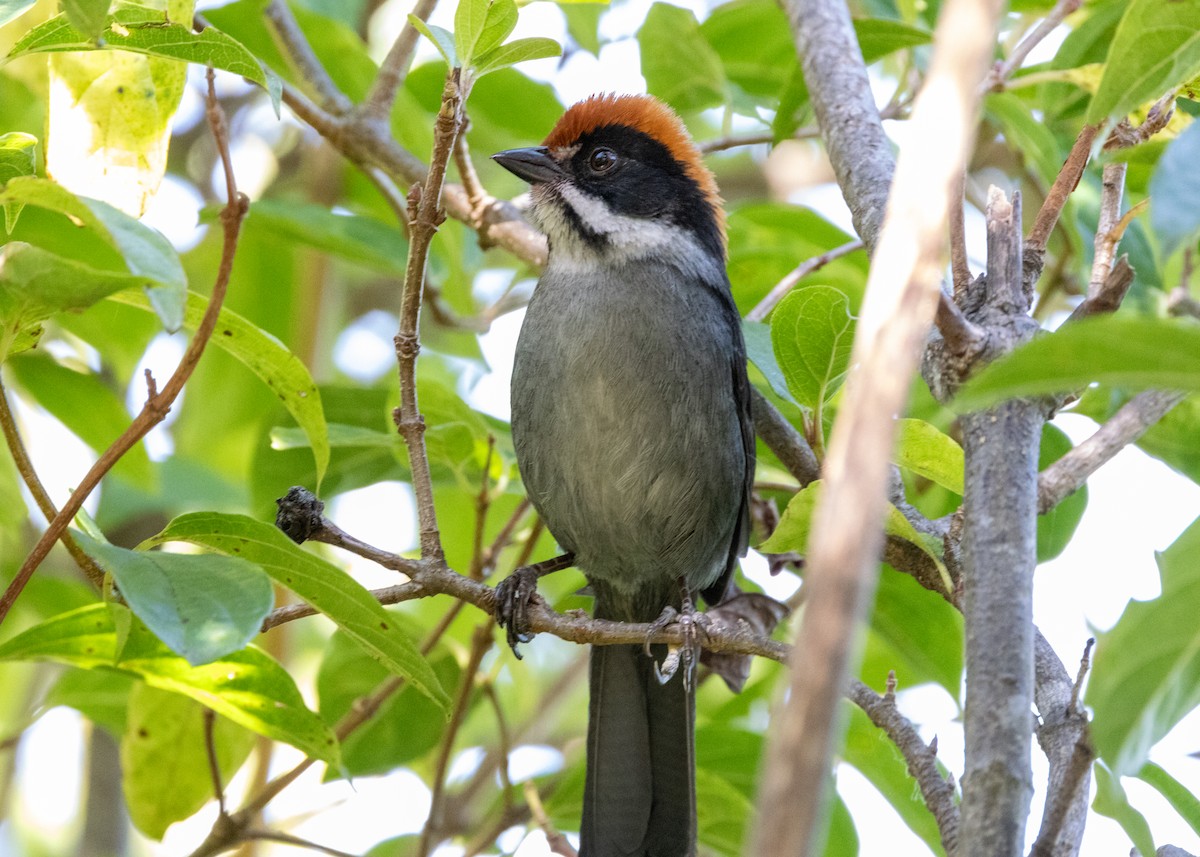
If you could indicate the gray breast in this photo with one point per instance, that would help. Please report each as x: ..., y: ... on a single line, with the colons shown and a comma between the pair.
x: 625, y: 424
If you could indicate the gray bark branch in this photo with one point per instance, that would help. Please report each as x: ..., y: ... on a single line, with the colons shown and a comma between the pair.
x: 1000, y: 539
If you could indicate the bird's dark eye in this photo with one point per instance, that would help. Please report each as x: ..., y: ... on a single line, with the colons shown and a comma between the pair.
x: 602, y: 159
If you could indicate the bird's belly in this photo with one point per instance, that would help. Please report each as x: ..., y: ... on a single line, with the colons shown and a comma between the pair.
x: 630, y: 451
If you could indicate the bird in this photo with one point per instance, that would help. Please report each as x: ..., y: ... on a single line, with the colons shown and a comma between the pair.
x: 633, y: 436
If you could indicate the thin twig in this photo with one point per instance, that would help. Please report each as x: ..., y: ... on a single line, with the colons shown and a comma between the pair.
x: 1069, y: 473
x: 299, y: 842
x: 1002, y: 71
x: 394, y: 68
x: 960, y: 335
x: 1109, y: 296
x: 41, y: 496
x: 158, y: 404
x: 960, y: 268
x: 299, y: 53
x: 554, y: 838
x: 230, y: 829
x: 1107, y: 235
x: 214, y: 767
x: 480, y: 643
x: 1064, y: 185
x: 434, y: 577
x: 482, y: 503
x: 426, y: 214
x: 397, y: 594
x: 780, y: 290
x: 1159, y: 115
x: 503, y: 742
x: 921, y: 758
x: 1180, y: 301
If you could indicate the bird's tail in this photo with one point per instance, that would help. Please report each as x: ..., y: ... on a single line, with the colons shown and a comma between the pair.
x: 640, y: 795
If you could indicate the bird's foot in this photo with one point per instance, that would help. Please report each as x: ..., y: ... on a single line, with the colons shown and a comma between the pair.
x: 693, y: 625
x: 516, y: 592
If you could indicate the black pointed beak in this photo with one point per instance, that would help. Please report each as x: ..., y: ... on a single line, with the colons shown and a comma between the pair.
x: 535, y: 164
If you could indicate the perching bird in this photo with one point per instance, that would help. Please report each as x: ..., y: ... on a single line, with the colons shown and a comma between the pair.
x: 631, y: 422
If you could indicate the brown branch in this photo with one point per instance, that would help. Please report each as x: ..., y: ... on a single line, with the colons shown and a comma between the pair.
x: 158, y: 403
x: 1056, y: 199
x: 1159, y: 115
x: 434, y: 577
x: 1180, y: 301
x: 1069, y: 473
x: 377, y: 105
x: 960, y: 269
x: 480, y: 643
x: 214, y: 767
x: 808, y: 266
x: 921, y: 758
x: 41, y: 496
x: 425, y: 215
x: 299, y: 54
x: 299, y: 842
x: 1107, y: 298
x: 554, y: 838
x: 900, y: 302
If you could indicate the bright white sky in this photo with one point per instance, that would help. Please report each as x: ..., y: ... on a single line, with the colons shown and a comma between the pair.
x: 1137, y: 506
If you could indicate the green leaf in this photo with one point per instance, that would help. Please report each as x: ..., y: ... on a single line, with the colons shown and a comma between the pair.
x: 928, y: 452
x: 1147, y: 668
x: 270, y: 360
x: 323, y: 585
x: 165, y: 772
x: 143, y: 31
x: 1056, y: 528
x: 470, y: 17
x: 760, y: 352
x: 87, y: 406
x: 35, y: 284
x: 679, y: 65
x: 442, y: 39
x: 1177, y: 794
x: 515, y: 52
x: 812, y: 331
x: 10, y: 9
x: 1156, y: 48
x: 1125, y: 351
x: 102, y: 696
x: 87, y: 16
x: 1027, y: 136
x: 352, y: 237
x: 407, y: 726
x: 248, y: 686
x: 754, y: 42
x: 1112, y: 801
x: 796, y: 522
x: 203, y: 607
x: 18, y: 157
x: 340, y: 435
x: 146, y: 252
x: 1174, y: 189
x: 500, y: 22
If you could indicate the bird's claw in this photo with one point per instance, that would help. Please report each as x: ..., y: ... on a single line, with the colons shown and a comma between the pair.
x: 513, y: 596
x: 692, y: 625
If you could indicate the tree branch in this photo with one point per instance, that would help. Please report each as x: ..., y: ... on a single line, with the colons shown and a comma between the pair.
x: 41, y: 496
x: 158, y: 403
x: 1069, y: 473
x: 900, y: 300
x: 1056, y: 199
x: 808, y: 266
x: 299, y: 53
x: 1063, y: 735
x: 921, y: 758
x: 859, y: 151
x: 425, y: 215
x: 377, y: 105
x: 1001, y: 448
x: 1002, y: 71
